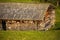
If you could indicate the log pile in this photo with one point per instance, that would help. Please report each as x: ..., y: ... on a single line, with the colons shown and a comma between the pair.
x: 21, y: 25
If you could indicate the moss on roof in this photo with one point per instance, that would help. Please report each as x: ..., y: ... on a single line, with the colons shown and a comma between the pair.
x: 22, y: 11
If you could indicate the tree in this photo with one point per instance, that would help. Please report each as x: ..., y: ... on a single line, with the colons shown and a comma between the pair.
x: 55, y: 2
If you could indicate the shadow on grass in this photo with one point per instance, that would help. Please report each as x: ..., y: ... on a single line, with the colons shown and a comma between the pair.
x: 57, y: 29
x: 57, y: 26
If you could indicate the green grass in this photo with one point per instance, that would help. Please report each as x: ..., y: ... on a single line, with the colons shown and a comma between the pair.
x: 57, y: 24
x: 58, y: 14
x: 30, y: 35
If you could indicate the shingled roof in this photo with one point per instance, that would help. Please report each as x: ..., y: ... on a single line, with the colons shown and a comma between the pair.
x: 22, y: 11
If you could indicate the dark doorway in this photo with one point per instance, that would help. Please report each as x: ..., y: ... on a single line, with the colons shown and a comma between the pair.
x: 3, y: 24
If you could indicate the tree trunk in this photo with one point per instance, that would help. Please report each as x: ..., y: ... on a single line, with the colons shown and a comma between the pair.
x: 57, y: 3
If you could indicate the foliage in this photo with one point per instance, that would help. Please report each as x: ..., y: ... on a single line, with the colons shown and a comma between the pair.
x: 55, y: 2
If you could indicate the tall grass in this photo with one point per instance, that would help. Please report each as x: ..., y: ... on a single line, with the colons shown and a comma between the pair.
x: 57, y: 15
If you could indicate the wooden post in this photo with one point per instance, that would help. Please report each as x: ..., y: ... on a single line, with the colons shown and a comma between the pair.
x: 37, y: 24
x: 3, y: 24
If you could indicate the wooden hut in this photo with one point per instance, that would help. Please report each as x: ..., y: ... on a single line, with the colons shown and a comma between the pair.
x: 26, y: 16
